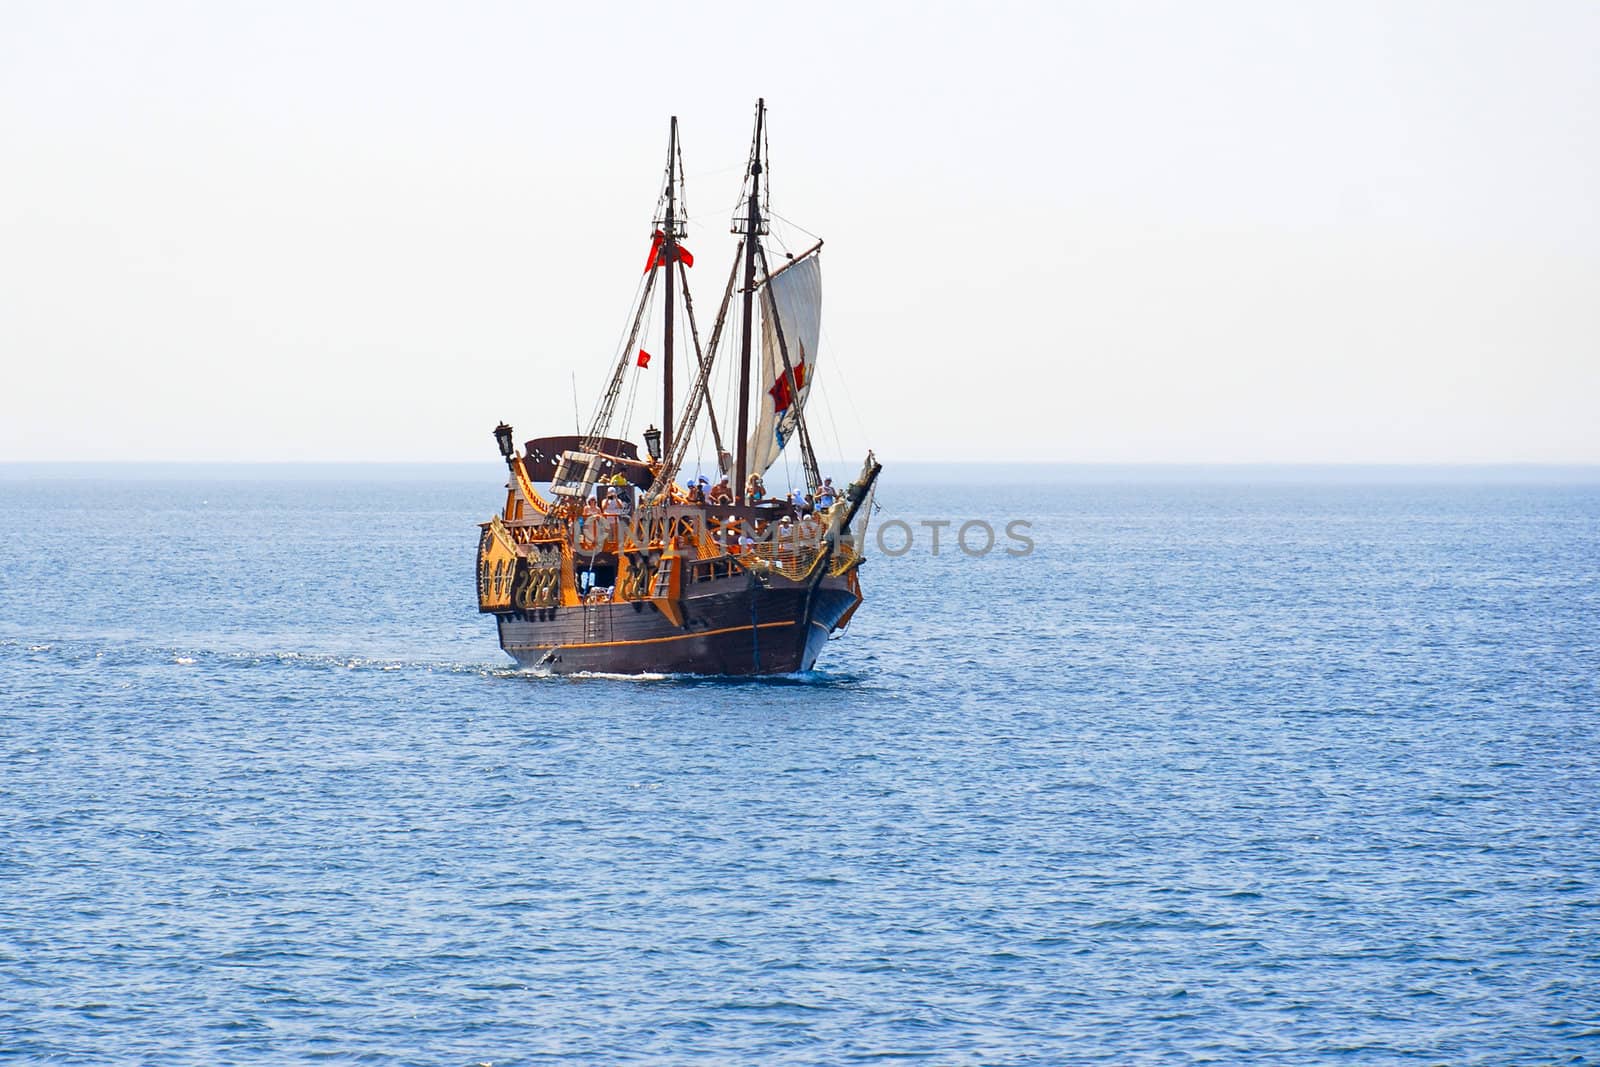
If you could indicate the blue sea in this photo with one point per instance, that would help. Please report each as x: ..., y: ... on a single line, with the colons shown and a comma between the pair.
x: 1271, y: 767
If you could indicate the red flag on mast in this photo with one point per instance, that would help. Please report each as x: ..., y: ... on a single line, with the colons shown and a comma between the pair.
x: 656, y: 256
x: 644, y: 359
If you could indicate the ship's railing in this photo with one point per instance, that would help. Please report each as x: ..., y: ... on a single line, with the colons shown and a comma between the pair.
x: 709, y: 570
x: 709, y: 533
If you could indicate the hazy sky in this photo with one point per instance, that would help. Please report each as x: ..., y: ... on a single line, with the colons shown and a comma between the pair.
x: 1083, y: 232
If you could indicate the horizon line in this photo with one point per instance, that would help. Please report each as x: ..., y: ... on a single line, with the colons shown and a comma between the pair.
x: 965, y: 473
x: 1087, y: 463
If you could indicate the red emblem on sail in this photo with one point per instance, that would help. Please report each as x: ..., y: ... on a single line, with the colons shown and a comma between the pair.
x: 781, y: 395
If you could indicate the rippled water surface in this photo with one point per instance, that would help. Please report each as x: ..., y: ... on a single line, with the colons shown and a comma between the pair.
x: 1274, y: 774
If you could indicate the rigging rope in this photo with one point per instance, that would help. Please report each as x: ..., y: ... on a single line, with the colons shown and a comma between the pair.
x: 608, y: 405
x: 694, y: 330
x: 638, y: 295
x: 697, y: 396
x: 849, y: 394
x: 633, y: 388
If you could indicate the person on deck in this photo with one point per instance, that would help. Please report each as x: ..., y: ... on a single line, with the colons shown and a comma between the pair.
x: 754, y: 490
x: 612, y: 511
x: 826, y: 495
x: 720, y: 493
x: 697, y: 495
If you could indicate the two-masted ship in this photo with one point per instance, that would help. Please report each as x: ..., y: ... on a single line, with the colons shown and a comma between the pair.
x: 601, y: 561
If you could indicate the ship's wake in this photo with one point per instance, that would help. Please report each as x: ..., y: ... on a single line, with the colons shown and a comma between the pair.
x: 119, y: 653
x: 116, y: 652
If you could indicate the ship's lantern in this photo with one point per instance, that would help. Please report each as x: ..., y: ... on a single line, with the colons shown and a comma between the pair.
x: 502, y: 437
x: 652, y: 442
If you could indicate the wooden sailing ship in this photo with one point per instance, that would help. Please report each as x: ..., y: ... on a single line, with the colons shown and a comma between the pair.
x: 613, y: 566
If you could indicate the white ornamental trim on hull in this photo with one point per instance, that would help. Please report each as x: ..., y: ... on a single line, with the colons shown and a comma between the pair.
x: 796, y: 290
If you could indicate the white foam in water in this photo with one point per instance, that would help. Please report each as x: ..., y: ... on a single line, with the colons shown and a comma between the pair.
x: 614, y: 676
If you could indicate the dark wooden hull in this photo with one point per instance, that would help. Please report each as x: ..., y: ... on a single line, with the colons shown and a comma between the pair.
x: 735, y: 626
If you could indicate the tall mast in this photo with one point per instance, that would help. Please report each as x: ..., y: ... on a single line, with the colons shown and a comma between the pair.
x: 752, y: 230
x: 666, y: 262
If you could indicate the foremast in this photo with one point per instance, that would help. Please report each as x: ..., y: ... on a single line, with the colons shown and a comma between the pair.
x: 753, y: 225
x: 670, y: 230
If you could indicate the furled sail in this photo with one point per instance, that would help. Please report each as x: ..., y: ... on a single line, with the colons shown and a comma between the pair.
x: 796, y: 289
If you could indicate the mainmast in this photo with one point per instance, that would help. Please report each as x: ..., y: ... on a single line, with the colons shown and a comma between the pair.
x: 752, y: 227
x: 671, y: 231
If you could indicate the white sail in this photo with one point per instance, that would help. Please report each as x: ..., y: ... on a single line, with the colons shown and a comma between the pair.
x: 797, y: 291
